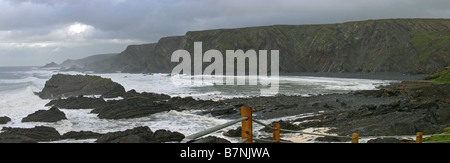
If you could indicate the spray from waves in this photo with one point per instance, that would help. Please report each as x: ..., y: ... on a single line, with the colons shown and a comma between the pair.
x: 19, y: 78
x: 29, y: 79
x: 18, y: 104
x: 186, y: 122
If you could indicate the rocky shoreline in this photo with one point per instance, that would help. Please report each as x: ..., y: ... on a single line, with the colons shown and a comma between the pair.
x: 400, y: 109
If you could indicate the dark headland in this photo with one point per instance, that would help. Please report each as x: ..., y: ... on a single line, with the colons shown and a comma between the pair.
x: 405, y: 46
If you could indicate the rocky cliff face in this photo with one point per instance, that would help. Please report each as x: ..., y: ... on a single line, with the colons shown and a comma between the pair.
x: 393, y: 45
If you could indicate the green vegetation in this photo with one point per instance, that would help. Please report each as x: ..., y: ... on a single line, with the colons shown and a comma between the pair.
x: 443, y: 76
x: 439, y: 138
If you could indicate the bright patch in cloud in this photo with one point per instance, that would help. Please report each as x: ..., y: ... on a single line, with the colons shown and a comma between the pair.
x: 79, y: 29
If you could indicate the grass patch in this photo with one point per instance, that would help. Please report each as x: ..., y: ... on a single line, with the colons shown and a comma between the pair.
x: 443, y: 76
x: 439, y: 138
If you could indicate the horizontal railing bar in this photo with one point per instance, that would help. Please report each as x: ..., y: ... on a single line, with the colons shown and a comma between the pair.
x: 265, y: 140
x: 271, y: 141
x: 242, y: 140
x: 400, y: 136
x: 261, y: 123
x: 211, y: 130
x: 281, y: 141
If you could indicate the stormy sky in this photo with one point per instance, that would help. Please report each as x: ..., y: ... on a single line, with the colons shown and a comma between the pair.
x: 36, y: 32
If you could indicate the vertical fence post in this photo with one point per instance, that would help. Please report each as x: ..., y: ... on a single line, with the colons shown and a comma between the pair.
x: 276, y: 132
x: 355, y: 138
x: 247, y: 124
x: 419, y: 137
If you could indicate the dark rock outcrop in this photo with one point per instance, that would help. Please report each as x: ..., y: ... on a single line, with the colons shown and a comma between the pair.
x: 4, y: 120
x: 52, y: 115
x: 284, y: 125
x: 51, y: 65
x: 81, y: 135
x: 210, y: 139
x: 75, y: 85
x: 187, y: 103
x: 166, y: 136
x: 133, y: 107
x: 135, y: 135
x: 230, y: 109
x: 233, y: 132
x: 28, y: 135
x: 140, y: 135
x: 79, y: 102
x: 14, y: 138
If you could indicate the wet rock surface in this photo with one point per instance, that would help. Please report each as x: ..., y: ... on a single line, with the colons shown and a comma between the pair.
x: 4, y: 119
x: 133, y: 107
x: 210, y: 139
x: 28, y: 135
x: 140, y: 135
x: 61, y: 85
x: 45, y: 134
x: 77, y: 135
x: 79, y: 102
x: 51, y: 115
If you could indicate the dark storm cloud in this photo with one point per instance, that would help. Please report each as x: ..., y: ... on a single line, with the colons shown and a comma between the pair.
x: 54, y: 30
x: 146, y: 18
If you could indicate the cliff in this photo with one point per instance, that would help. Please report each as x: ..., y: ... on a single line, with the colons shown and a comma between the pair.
x: 392, y: 45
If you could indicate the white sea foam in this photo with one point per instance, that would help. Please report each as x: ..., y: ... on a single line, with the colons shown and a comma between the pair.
x: 17, y: 81
x: 19, y: 103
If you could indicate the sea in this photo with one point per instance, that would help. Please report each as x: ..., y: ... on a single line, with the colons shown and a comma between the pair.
x: 19, y: 84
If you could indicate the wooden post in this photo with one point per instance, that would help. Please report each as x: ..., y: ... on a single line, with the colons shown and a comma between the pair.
x: 247, y: 124
x: 276, y: 132
x: 419, y: 138
x: 355, y: 138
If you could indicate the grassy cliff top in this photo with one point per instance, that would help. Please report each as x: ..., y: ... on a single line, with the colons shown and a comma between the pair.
x: 443, y: 76
x: 440, y: 138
